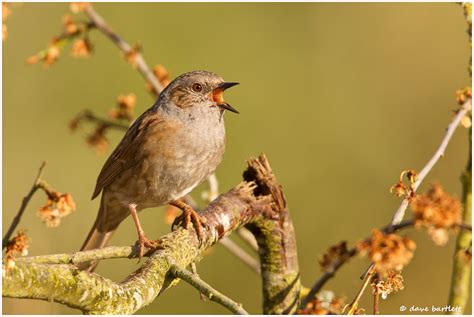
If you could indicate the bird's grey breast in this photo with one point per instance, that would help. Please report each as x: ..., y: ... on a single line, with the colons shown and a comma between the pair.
x: 197, y: 149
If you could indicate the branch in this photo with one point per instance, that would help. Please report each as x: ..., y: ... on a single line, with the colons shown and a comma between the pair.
x: 400, y: 213
x: 207, y: 290
x: 88, y: 115
x: 234, y: 248
x: 26, y: 200
x: 126, y: 48
x: 461, y: 275
x: 245, y: 235
x: 257, y: 202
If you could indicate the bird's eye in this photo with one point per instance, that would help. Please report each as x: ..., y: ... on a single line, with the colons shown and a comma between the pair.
x: 197, y: 87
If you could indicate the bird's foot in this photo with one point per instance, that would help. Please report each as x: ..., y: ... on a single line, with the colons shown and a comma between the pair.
x: 144, y: 243
x: 188, y: 216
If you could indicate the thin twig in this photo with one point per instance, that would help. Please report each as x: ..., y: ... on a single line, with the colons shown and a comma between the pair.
x: 400, y: 213
x: 195, y: 272
x: 213, y: 187
x: 126, y: 48
x: 354, y: 305
x: 248, y: 237
x: 236, y: 250
x: 88, y: 115
x: 24, y: 203
x: 376, y: 302
x: 206, y: 289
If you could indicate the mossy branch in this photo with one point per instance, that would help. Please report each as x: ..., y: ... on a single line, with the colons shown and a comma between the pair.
x: 461, y: 276
x: 257, y: 202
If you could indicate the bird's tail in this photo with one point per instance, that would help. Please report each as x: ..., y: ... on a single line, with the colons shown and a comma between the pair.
x: 97, y: 238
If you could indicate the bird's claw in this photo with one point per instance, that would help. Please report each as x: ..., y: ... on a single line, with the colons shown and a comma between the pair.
x: 190, y: 216
x: 144, y: 243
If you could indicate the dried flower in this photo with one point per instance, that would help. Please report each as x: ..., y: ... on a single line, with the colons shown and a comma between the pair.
x: 33, y: 59
x: 437, y: 211
x: 70, y: 27
x: 98, y: 140
x: 325, y: 303
x: 52, y: 54
x: 57, y: 206
x: 399, y: 189
x: 6, y: 11
x: 77, y: 7
x: 125, y: 107
x: 74, y: 124
x: 335, y: 254
x: 81, y: 48
x: 17, y: 245
x: 131, y: 55
x: 162, y: 74
x: 387, y: 251
x: 393, y: 283
x: 48, y: 56
x: 463, y: 94
x: 466, y: 122
x: 5, y: 14
x: 411, y: 175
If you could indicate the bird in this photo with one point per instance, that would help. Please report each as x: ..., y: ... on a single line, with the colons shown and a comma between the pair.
x: 169, y: 150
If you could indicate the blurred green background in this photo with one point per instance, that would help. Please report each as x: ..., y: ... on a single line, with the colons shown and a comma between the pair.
x: 341, y: 97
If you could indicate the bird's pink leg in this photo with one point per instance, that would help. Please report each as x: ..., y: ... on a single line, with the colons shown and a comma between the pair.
x: 143, y: 240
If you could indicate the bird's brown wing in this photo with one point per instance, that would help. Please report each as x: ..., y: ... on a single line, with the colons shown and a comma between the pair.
x: 126, y: 154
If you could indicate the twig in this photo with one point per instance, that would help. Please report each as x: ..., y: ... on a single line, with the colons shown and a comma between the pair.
x: 461, y: 275
x: 195, y: 273
x: 88, y: 115
x: 354, y: 305
x: 26, y: 200
x: 248, y: 237
x: 126, y: 48
x: 213, y: 187
x: 376, y: 302
x: 400, y: 213
x: 236, y: 250
x: 207, y: 290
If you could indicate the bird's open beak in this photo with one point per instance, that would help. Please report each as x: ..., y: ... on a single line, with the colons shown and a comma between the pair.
x: 217, y: 95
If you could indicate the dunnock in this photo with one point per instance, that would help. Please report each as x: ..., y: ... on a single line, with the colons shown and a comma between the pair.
x: 169, y: 150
